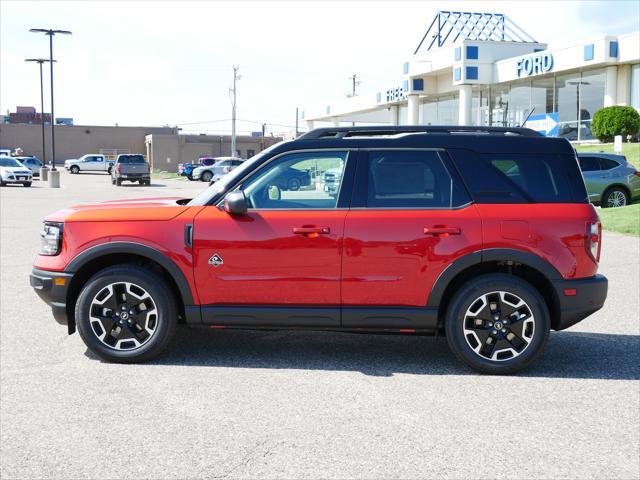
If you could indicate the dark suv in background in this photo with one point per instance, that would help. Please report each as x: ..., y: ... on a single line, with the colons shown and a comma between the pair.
x: 485, y: 235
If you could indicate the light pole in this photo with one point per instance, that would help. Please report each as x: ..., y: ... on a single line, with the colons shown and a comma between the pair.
x: 236, y: 77
x: 40, y: 61
x: 54, y: 180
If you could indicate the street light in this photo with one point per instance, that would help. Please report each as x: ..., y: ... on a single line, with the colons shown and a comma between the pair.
x: 40, y: 61
x: 51, y: 33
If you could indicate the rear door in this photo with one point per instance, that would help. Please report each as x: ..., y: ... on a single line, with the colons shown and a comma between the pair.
x: 594, y: 178
x: 410, y: 218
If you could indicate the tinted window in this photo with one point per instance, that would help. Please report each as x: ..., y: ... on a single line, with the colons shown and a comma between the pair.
x: 608, y: 164
x: 131, y: 159
x: 589, y: 164
x: 521, y: 177
x: 410, y: 179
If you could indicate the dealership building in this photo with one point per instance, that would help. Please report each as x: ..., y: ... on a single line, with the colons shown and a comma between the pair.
x: 482, y: 69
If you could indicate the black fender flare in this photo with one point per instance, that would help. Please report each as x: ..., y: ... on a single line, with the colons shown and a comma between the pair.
x: 484, y: 256
x: 157, y: 256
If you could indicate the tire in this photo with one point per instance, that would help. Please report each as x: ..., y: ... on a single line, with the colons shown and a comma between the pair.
x: 113, y: 181
x: 118, y: 182
x: 74, y: 169
x: 147, y: 183
x: 206, y: 176
x: 109, y: 170
x: 27, y: 184
x: 293, y: 184
x: 190, y: 177
x: 137, y: 337
x: 615, y: 197
x: 469, y: 340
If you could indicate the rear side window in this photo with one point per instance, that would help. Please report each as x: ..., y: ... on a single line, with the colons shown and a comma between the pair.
x: 608, y: 164
x: 521, y: 177
x: 407, y: 179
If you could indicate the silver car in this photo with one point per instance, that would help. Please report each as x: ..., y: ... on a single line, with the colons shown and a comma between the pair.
x: 215, y: 172
x: 611, y: 181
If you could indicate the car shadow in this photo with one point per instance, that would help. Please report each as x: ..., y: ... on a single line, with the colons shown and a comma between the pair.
x: 567, y: 354
x: 129, y: 185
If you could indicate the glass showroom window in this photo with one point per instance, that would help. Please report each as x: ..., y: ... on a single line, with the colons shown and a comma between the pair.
x: 542, y: 96
x: 403, y: 114
x: 567, y: 97
x: 591, y: 99
x: 519, y: 102
x: 635, y: 86
x: 500, y: 106
x: 480, y: 106
x: 448, y: 111
x: 430, y: 112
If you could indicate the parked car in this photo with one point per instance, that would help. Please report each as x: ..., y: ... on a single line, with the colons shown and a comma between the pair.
x: 332, y: 179
x: 292, y: 179
x: 131, y: 168
x: 89, y: 163
x: 12, y: 171
x: 32, y: 163
x: 611, y: 181
x: 186, y: 169
x: 215, y: 172
x: 5, y: 152
x: 428, y: 234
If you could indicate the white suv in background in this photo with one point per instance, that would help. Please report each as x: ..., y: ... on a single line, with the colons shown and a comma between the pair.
x: 12, y: 171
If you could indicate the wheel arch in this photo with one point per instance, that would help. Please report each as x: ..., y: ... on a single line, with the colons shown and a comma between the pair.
x: 530, y: 267
x: 90, y: 261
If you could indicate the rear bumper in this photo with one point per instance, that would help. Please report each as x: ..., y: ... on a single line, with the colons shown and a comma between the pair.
x: 590, y: 294
x: 53, y: 294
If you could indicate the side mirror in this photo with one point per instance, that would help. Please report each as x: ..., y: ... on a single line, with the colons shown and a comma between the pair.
x: 235, y: 203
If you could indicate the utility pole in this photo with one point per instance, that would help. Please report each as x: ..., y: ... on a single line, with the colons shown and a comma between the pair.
x: 236, y: 77
x: 297, y: 115
x: 54, y: 179
x: 264, y: 127
x: 40, y: 61
x: 354, y: 83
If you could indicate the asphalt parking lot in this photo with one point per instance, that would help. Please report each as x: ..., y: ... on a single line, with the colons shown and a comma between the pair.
x: 225, y: 404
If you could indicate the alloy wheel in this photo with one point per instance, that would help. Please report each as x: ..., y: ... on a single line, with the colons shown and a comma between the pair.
x: 123, y: 316
x: 616, y: 198
x: 499, y: 326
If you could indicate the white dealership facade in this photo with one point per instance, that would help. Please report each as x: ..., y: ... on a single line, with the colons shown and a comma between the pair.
x: 482, y: 69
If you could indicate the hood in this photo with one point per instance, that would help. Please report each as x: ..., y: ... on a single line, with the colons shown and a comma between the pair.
x: 150, y: 209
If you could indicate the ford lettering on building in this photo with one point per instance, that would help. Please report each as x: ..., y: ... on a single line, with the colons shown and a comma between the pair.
x: 535, y: 64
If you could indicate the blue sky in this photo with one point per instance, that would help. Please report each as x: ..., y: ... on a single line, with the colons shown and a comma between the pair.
x: 155, y: 63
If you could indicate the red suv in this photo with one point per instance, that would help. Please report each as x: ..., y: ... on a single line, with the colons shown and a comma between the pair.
x: 483, y: 234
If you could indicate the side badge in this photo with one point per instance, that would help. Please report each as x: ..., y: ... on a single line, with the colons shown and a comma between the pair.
x: 216, y: 260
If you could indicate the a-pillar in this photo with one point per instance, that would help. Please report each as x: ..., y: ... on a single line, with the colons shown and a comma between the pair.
x: 610, y: 86
x: 464, y: 105
x: 413, y: 116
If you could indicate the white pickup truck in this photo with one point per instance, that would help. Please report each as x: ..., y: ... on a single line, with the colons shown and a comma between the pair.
x: 89, y: 163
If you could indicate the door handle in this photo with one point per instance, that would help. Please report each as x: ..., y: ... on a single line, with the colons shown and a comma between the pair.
x: 442, y: 231
x: 310, y: 230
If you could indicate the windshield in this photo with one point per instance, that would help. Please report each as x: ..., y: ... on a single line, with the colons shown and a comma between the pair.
x: 131, y: 159
x: 9, y: 162
x: 238, y: 172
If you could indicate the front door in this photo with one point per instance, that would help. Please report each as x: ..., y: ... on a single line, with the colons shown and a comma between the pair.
x: 279, y: 264
x: 410, y: 218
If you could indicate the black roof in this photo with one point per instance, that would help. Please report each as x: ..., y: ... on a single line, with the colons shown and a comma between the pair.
x: 342, y: 132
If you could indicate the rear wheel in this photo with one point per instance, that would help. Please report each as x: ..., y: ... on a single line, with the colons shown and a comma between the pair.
x: 497, y: 323
x: 126, y: 314
x: 615, y: 197
x: 206, y: 176
x: 74, y: 169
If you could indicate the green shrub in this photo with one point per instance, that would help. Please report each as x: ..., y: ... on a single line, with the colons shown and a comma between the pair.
x: 611, y: 121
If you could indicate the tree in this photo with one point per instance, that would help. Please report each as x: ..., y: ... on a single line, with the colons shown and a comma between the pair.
x: 611, y: 121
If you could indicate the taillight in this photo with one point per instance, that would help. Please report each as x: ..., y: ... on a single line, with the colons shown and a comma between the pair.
x: 594, y: 240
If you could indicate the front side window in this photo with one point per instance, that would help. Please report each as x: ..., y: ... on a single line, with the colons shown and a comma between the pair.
x: 297, y: 181
x: 410, y: 179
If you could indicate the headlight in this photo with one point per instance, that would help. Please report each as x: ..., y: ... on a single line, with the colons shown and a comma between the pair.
x: 51, y: 239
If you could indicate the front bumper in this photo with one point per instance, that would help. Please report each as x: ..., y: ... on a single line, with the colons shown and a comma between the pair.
x: 589, y: 297
x: 52, y: 287
x: 17, y: 178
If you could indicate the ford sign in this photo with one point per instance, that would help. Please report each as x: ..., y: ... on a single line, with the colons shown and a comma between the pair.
x: 534, y: 64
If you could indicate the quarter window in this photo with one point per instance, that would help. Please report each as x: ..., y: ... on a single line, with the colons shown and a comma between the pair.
x: 310, y: 180
x: 589, y: 164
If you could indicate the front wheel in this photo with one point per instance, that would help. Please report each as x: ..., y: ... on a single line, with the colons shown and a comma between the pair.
x: 293, y: 184
x: 118, y: 182
x: 75, y: 169
x: 126, y: 314
x: 27, y: 184
x: 497, y: 323
x: 206, y: 176
x: 615, y: 197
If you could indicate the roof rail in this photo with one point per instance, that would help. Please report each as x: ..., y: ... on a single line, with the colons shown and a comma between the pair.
x: 345, y: 132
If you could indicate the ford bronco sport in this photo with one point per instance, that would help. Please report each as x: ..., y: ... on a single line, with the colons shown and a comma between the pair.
x: 485, y: 235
